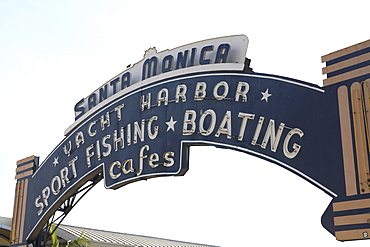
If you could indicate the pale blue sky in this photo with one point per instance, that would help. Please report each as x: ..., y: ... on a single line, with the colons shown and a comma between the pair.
x: 53, y: 53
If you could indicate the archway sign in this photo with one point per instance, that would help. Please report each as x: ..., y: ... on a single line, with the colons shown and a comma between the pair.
x: 141, y: 123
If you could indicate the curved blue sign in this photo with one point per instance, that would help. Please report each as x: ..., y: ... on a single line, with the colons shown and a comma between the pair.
x: 141, y: 124
x: 147, y: 133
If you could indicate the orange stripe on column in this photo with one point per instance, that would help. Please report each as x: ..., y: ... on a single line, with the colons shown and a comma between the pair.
x: 347, y: 147
x: 360, y: 137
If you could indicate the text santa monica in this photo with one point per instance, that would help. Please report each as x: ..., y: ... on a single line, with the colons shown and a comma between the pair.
x: 199, y: 56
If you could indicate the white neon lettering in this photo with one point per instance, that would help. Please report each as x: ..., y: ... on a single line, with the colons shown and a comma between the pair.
x: 152, y: 135
x: 141, y: 158
x: 89, y: 129
x: 243, y: 125
x: 242, y: 91
x: 111, y: 168
x: 79, y: 139
x: 296, y: 147
x: 225, y: 126
x: 270, y: 134
x: 162, y: 96
x: 181, y: 93
x: 189, y: 121
x: 200, y: 91
x: 224, y: 94
x: 258, y: 130
x: 145, y: 102
x: 211, y: 126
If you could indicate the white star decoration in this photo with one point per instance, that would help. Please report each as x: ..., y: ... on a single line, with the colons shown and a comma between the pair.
x: 171, y: 124
x: 265, y: 95
x: 56, y: 162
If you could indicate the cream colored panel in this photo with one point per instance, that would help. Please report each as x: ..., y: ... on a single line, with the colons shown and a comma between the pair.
x: 347, y: 76
x: 347, y: 147
x: 346, y: 51
x: 360, y: 137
